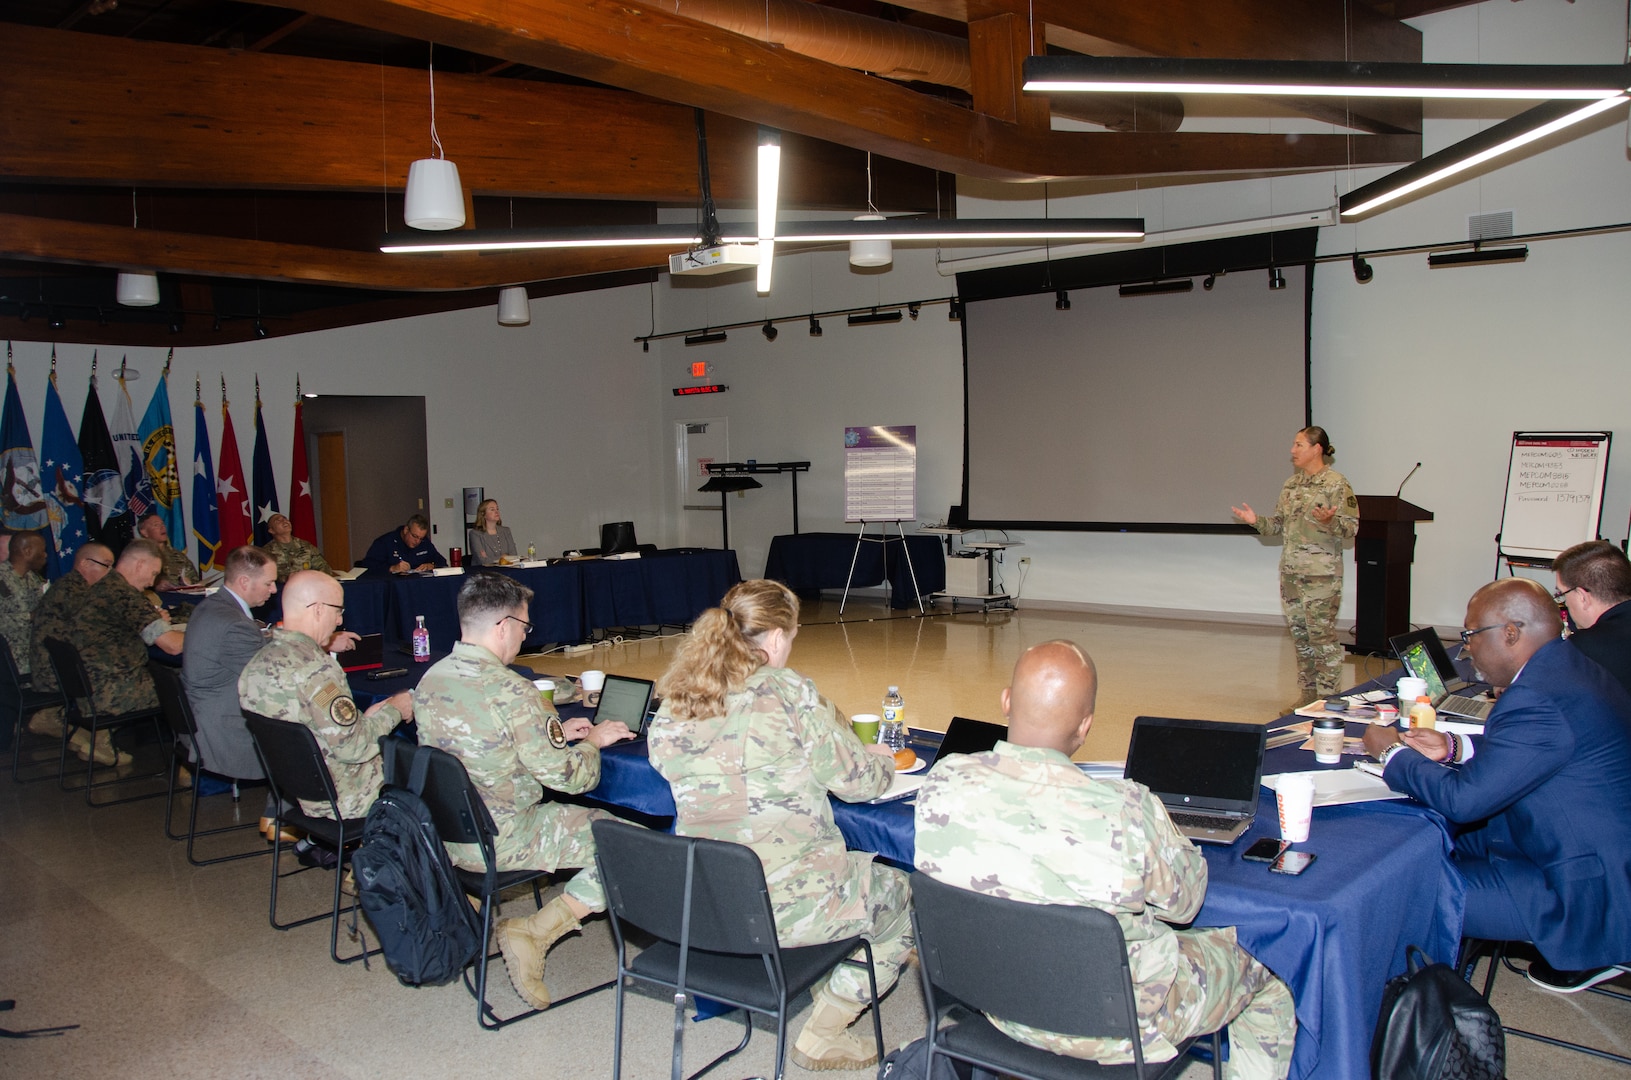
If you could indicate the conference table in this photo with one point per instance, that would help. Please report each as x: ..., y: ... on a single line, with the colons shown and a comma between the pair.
x: 1335, y: 934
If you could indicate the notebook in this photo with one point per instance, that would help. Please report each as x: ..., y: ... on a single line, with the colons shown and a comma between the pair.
x: 1416, y: 654
x: 963, y: 736
x: 626, y: 699
x: 1206, y: 773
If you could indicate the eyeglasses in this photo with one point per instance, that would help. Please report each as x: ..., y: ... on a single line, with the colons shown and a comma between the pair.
x: 99, y: 562
x: 339, y: 609
x: 1468, y: 635
x: 526, y: 627
x: 1561, y: 594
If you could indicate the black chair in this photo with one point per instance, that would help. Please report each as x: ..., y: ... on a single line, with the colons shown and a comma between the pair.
x: 79, y: 710
x: 295, y: 769
x: 707, y: 904
x: 462, y: 817
x: 178, y: 711
x: 1473, y: 948
x: 20, y: 702
x: 1048, y: 966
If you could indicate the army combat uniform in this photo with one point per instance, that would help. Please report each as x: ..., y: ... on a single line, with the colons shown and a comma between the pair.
x: 1311, y: 572
x: 294, y: 678
x: 19, y: 596
x: 113, y: 628
x: 512, y: 745
x: 178, y: 569
x: 759, y: 775
x: 297, y: 554
x: 1024, y: 824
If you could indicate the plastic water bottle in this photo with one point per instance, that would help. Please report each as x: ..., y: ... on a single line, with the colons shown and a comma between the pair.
x: 892, y: 728
x: 421, y: 642
x: 532, y: 552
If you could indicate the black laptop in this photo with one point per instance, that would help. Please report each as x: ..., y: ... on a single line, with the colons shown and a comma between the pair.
x: 1422, y: 654
x: 963, y: 736
x: 1206, y: 773
x: 628, y: 700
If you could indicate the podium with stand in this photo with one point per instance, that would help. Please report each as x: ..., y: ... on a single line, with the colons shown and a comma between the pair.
x: 1383, y: 551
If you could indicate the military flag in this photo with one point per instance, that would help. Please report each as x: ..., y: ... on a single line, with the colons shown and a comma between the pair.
x: 132, y: 470
x: 231, y: 487
x: 22, y: 506
x: 302, y: 514
x: 206, y: 517
x: 264, y: 482
x: 158, y: 442
x: 104, y: 491
x: 63, y: 482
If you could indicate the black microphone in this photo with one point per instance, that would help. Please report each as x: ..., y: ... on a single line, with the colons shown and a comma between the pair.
x: 1406, y: 480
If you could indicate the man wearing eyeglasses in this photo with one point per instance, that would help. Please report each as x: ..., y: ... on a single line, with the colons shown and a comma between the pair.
x: 1541, y: 795
x: 55, y: 618
x: 294, y: 677
x: 1594, y: 586
x: 513, y: 745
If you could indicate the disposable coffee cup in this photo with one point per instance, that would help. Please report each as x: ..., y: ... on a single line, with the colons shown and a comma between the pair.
x: 1295, y: 795
x: 1329, y: 735
x: 592, y: 681
x: 546, y: 687
x: 865, y: 727
x: 1410, y: 688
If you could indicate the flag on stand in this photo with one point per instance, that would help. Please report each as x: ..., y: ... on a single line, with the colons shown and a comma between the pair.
x: 132, y: 471
x: 264, y: 482
x: 231, y: 490
x: 64, y: 480
x: 158, y: 440
x: 206, y: 520
x: 302, y: 514
x: 22, y: 506
x: 104, y: 490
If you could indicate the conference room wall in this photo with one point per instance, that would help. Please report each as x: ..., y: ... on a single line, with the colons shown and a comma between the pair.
x: 558, y: 420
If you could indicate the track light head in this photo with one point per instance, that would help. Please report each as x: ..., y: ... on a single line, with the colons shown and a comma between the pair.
x: 1061, y: 300
x: 645, y: 346
x: 1276, y: 281
x: 175, y: 323
x: 769, y: 330
x: 260, y: 329
x: 1208, y: 281
x: 912, y: 310
x: 815, y: 326
x: 55, y: 321
x: 1363, y: 271
x: 954, y: 310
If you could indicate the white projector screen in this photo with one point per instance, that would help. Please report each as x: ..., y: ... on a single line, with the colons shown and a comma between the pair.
x: 1150, y: 413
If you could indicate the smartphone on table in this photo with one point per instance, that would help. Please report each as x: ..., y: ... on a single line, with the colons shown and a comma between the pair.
x: 1293, y: 862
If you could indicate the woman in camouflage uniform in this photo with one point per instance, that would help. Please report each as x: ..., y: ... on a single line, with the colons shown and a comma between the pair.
x: 751, y: 751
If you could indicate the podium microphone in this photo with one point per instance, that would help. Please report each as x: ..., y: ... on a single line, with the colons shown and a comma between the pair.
x: 1406, y: 480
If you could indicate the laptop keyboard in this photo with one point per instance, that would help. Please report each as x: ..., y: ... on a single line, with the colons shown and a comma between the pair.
x: 1465, y: 706
x: 1203, y: 821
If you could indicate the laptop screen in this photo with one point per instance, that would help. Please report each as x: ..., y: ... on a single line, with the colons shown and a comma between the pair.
x: 625, y: 699
x: 965, y: 736
x: 1418, y: 660
x: 1202, y: 759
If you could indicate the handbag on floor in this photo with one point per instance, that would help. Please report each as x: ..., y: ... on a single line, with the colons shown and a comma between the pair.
x: 1434, y: 1026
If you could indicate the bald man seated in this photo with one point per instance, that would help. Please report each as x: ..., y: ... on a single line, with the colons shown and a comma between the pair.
x: 1541, y: 795
x: 1023, y: 823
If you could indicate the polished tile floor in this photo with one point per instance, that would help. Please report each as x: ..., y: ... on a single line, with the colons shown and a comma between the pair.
x: 172, y: 971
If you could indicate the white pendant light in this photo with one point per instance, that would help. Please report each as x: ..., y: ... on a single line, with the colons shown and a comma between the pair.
x: 871, y: 252
x: 137, y: 290
x: 434, y: 200
x: 513, y: 309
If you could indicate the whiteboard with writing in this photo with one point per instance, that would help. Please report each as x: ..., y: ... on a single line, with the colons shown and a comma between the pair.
x: 1554, y: 492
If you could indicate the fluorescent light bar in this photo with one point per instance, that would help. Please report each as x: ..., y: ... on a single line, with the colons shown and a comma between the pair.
x: 1321, y: 78
x: 1440, y: 259
x: 931, y: 229
x: 1156, y: 288
x: 873, y: 318
x: 770, y: 163
x: 572, y: 236
x: 706, y: 338
x: 1503, y: 138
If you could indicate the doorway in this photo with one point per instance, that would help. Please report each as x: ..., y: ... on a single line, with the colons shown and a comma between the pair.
x: 373, y: 470
x: 697, y: 444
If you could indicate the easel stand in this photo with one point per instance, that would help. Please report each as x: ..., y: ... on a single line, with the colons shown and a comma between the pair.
x: 900, y: 537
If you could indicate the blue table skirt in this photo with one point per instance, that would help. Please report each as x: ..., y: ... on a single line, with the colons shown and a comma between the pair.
x: 809, y: 561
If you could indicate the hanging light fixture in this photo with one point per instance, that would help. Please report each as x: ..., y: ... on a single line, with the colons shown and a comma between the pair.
x: 137, y: 289
x: 870, y: 252
x: 770, y: 163
x: 434, y: 200
x: 513, y: 309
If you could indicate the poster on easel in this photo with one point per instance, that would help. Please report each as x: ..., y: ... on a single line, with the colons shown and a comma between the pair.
x: 880, y: 473
x: 1554, y: 493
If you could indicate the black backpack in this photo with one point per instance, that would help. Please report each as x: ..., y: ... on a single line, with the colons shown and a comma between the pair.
x: 406, y: 886
x: 1435, y: 1026
x: 908, y: 1063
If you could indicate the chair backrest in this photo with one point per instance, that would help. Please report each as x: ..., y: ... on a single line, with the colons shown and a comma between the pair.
x: 294, y: 762
x: 70, y: 669
x: 644, y: 875
x: 1050, y: 966
x: 457, y: 808
x: 178, y: 711
x: 11, y: 678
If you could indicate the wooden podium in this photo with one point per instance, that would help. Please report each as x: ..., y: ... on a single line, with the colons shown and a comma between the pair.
x: 1383, y: 551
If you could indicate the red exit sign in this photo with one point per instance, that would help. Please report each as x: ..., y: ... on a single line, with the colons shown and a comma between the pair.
x: 709, y: 388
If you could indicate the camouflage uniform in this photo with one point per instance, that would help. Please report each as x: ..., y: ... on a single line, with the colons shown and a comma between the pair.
x: 1311, y: 572
x: 113, y: 628
x: 19, y: 596
x: 293, y: 678
x: 297, y: 554
x: 54, y: 618
x: 1023, y: 823
x: 759, y: 775
x: 512, y: 746
x: 178, y: 569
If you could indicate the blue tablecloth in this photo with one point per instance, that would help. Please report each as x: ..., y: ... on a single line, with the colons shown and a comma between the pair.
x: 806, y: 562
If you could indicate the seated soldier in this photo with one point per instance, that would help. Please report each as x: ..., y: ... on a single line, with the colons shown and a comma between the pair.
x: 54, y: 617
x: 291, y: 552
x: 473, y: 706
x: 403, y: 551
x: 114, y: 627
x: 178, y: 569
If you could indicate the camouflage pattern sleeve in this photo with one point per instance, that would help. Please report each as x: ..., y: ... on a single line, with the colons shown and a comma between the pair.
x: 541, y: 744
x: 1175, y: 879
x: 839, y: 761
x: 1340, y: 494
x: 1274, y: 524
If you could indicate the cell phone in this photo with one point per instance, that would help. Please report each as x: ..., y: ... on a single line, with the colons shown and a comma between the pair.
x: 387, y: 673
x: 1265, y: 850
x: 1293, y: 862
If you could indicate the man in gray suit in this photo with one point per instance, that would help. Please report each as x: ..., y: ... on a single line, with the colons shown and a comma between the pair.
x: 221, y: 637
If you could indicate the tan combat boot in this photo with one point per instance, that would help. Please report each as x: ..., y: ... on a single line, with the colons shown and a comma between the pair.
x: 46, y: 722
x: 105, y: 753
x: 829, y: 1042
x: 525, y: 944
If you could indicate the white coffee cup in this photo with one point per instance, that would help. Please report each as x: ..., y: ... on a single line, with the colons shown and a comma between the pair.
x: 1330, y: 734
x: 1410, y: 688
x: 1295, y: 794
x: 592, y: 681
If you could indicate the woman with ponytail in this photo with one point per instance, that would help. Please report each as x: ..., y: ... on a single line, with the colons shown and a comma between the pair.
x: 751, y: 751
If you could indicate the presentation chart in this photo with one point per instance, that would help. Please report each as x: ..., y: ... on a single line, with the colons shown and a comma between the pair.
x: 880, y: 473
x: 1554, y: 492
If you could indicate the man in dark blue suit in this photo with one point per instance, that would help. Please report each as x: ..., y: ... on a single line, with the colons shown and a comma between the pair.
x: 1541, y: 796
x: 404, y: 550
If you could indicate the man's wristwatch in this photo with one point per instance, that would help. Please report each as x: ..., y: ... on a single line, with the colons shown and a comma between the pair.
x: 1383, y: 758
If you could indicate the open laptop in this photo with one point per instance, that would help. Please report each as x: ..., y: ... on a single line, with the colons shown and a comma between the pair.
x: 963, y: 736
x: 628, y: 700
x: 1428, y: 641
x: 368, y: 654
x: 1205, y: 772
x: 1416, y: 653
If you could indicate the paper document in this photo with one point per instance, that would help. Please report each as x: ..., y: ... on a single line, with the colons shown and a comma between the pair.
x: 1336, y: 787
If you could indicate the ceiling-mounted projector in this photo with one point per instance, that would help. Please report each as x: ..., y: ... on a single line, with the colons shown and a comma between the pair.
x: 718, y: 259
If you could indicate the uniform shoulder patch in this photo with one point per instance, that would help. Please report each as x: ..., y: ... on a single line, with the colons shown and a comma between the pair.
x: 556, y: 733
x: 341, y: 709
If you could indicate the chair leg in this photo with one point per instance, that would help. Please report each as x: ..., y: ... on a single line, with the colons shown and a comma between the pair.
x: 1498, y: 958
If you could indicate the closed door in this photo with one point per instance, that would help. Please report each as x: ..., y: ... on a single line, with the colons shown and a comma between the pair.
x: 332, y: 499
x: 697, y: 444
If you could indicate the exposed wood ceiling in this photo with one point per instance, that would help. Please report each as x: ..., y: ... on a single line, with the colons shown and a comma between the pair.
x: 259, y: 150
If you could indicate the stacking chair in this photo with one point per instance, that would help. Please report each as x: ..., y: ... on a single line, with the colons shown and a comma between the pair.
x: 20, y: 702
x: 178, y: 711
x: 1473, y: 948
x: 1047, y: 966
x: 295, y: 769
x: 707, y: 904
x: 79, y: 710
x: 462, y: 817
